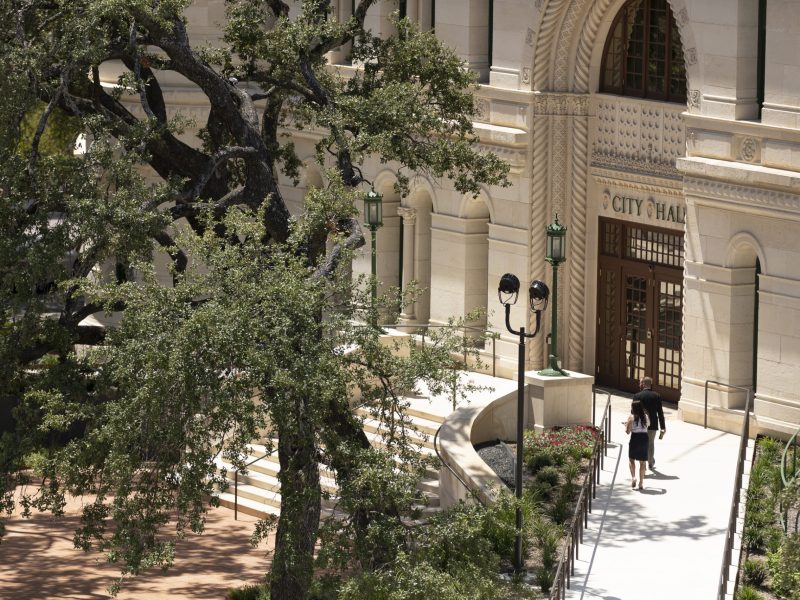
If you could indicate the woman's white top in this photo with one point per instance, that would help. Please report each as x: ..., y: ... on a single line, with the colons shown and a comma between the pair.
x: 639, y: 427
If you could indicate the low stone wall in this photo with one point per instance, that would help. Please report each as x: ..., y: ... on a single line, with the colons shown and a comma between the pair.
x: 552, y: 400
x: 480, y: 421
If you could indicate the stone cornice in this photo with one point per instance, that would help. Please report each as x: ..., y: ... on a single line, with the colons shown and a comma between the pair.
x: 752, y: 199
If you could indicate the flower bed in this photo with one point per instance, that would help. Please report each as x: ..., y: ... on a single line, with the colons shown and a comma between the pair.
x: 770, y: 565
x: 556, y: 466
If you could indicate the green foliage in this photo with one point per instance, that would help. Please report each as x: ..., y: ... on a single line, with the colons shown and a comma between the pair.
x: 549, y: 475
x: 455, y: 555
x: 747, y: 592
x: 539, y: 460
x: 755, y: 571
x: 248, y: 592
x: 561, y: 508
x: 254, y: 326
x: 561, y: 443
x: 59, y: 136
x: 547, y: 536
x: 761, y: 519
x: 784, y: 568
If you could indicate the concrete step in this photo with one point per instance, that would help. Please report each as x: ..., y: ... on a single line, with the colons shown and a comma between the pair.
x: 248, y: 506
x: 430, y: 484
x: 271, y: 483
x: 268, y: 465
x: 257, y: 494
x: 425, y: 425
x: 376, y: 427
x: 424, y: 447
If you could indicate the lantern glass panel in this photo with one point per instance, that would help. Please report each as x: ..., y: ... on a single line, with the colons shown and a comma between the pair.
x: 373, y: 211
x: 557, y: 250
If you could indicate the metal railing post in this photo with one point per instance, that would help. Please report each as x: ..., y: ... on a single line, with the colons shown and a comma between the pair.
x: 494, y: 356
x: 236, y: 495
x: 737, y: 486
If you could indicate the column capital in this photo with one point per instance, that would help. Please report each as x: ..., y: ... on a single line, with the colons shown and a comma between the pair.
x: 409, y: 215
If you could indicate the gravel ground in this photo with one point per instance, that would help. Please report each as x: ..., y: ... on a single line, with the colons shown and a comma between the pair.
x: 500, y: 457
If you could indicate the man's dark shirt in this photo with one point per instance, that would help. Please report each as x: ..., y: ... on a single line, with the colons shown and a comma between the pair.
x: 652, y: 404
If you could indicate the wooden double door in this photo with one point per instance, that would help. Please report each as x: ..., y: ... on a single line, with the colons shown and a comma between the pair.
x: 639, y: 328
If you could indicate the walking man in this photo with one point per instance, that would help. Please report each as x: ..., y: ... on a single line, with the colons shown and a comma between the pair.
x: 652, y: 404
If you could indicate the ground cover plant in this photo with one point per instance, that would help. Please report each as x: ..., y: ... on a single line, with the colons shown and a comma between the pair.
x: 556, y: 464
x: 770, y: 555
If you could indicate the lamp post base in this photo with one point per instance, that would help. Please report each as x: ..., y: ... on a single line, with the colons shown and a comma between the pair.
x: 548, y: 372
x: 553, y: 370
x: 559, y: 399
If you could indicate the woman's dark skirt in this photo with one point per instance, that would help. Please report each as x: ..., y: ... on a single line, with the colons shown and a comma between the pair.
x: 637, y: 449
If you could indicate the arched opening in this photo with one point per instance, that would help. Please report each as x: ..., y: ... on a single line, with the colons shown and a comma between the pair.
x: 416, y: 254
x: 745, y: 264
x: 643, y: 54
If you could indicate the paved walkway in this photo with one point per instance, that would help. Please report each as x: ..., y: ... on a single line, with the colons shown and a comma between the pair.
x: 38, y: 561
x: 666, y: 541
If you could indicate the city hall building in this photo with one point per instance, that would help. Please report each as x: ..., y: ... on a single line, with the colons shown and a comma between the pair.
x: 665, y: 135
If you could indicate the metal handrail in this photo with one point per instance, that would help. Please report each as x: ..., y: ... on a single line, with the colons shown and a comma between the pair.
x: 784, y: 513
x: 236, y: 485
x: 475, y: 493
x: 737, y: 485
x: 721, y: 384
x: 580, y: 518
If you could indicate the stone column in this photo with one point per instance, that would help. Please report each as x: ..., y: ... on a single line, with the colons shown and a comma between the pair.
x: 409, y: 216
x: 463, y: 26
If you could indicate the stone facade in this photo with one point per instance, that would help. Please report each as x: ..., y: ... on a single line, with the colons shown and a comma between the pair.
x: 723, y: 170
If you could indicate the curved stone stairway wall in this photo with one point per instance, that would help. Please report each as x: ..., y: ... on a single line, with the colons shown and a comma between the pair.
x: 259, y: 488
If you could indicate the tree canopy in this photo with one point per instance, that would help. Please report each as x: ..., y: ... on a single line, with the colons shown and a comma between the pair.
x: 256, y: 338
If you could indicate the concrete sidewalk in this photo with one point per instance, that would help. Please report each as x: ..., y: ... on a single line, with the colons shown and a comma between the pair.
x: 666, y: 541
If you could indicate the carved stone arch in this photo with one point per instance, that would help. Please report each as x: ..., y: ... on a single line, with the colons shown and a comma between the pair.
x: 588, y: 47
x: 552, y: 16
x: 743, y: 250
x: 384, y: 181
x: 479, y: 207
x: 419, y: 187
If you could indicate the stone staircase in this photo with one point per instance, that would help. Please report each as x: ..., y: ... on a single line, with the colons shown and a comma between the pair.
x: 259, y: 489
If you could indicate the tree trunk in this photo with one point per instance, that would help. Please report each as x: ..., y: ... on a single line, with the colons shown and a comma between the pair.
x: 292, y: 567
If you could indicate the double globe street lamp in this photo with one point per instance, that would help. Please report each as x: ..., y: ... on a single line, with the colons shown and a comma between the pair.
x: 538, y: 296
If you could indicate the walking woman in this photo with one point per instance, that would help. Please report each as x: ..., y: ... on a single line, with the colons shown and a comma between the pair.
x: 636, y: 426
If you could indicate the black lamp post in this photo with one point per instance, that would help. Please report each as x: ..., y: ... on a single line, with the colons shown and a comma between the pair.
x: 556, y: 250
x: 373, y: 218
x: 538, y: 295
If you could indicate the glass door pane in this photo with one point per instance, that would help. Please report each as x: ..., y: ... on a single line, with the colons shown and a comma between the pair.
x: 635, y: 327
x: 668, y: 339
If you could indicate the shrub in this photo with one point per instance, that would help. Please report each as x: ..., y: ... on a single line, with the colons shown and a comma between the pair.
x: 547, y: 536
x: 540, y: 490
x: 560, y: 509
x: 548, y: 475
x: 571, y: 472
x: 755, y: 571
x: 545, y: 578
x: 248, y: 592
x: 539, y: 460
x: 770, y: 449
x: 759, y: 528
x: 784, y: 568
x: 747, y: 593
